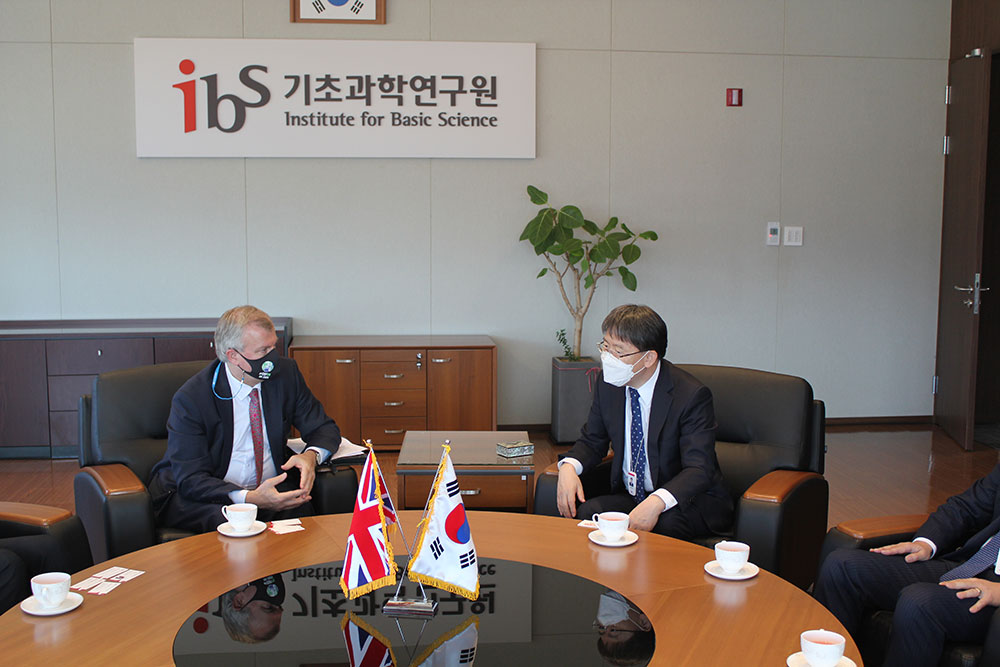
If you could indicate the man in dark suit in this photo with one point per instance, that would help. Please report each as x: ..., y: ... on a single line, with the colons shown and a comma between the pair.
x: 228, y: 430
x: 21, y: 558
x: 944, y: 585
x: 660, y: 424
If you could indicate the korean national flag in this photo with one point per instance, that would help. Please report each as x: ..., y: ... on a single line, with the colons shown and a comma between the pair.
x: 445, y: 556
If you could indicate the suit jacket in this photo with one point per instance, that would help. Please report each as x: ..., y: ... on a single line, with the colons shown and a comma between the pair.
x: 964, y: 522
x: 680, y: 443
x: 200, y: 431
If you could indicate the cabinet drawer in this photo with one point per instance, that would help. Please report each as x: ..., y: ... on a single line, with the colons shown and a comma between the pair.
x: 490, y: 491
x: 90, y: 356
x: 390, y: 430
x: 392, y: 374
x: 167, y: 350
x: 65, y: 390
x: 394, y: 403
x: 407, y: 354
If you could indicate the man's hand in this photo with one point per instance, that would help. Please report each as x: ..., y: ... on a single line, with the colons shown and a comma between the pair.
x: 645, y: 515
x: 988, y: 592
x: 306, y: 463
x: 568, y: 491
x: 266, y: 496
x: 915, y: 551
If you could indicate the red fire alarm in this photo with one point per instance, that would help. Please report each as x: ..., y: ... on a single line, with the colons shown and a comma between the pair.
x: 734, y: 97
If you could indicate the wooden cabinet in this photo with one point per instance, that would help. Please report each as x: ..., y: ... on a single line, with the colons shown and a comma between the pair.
x: 380, y: 387
x: 47, y: 365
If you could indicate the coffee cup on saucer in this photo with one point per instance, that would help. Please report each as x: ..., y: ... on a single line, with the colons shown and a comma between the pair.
x: 822, y: 648
x: 50, y: 589
x: 732, y: 556
x: 240, y: 516
x: 612, y: 525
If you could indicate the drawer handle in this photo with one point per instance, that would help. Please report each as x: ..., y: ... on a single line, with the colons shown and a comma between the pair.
x: 394, y: 431
x: 393, y: 404
x: 100, y: 352
x: 211, y: 344
x: 446, y: 360
x: 469, y: 492
x: 345, y: 361
x: 392, y: 376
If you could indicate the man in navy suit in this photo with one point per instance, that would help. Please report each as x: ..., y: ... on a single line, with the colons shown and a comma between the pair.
x: 228, y: 430
x: 931, y: 600
x: 660, y: 424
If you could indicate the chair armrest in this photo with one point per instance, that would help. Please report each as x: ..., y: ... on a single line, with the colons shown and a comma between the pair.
x: 115, y: 509
x: 782, y: 516
x: 335, y: 489
x: 17, y: 519
x: 870, y: 533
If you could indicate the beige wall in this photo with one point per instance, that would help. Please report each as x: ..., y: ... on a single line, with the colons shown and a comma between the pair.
x: 840, y: 133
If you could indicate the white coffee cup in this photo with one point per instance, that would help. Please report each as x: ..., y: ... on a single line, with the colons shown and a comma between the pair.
x: 240, y: 516
x: 732, y: 556
x: 50, y: 588
x: 612, y: 525
x: 822, y: 648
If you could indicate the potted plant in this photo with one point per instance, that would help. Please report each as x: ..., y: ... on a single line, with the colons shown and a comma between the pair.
x: 578, y: 253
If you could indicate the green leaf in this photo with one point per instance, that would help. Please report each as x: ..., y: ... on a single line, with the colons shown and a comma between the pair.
x: 588, y: 280
x: 544, y: 246
x: 573, y: 244
x: 575, y: 256
x: 628, y: 278
x: 537, y: 196
x: 612, y: 223
x: 610, y: 248
x: 570, y: 216
x: 630, y: 253
x: 531, y: 228
x: 591, y: 228
x: 560, y: 234
x: 544, y: 229
x: 557, y: 248
x: 625, y: 227
x: 649, y: 235
x: 619, y: 236
x: 596, y: 256
x: 542, y: 273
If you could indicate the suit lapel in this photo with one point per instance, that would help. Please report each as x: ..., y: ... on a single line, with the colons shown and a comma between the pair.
x: 616, y: 424
x: 663, y: 397
x: 271, y: 404
x: 224, y: 407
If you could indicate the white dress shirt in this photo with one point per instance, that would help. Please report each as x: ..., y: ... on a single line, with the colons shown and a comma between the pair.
x: 242, y: 469
x: 645, y: 401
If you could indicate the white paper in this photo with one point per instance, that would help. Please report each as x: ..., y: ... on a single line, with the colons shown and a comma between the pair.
x: 126, y: 575
x: 104, y: 588
x: 89, y: 582
x: 110, y: 572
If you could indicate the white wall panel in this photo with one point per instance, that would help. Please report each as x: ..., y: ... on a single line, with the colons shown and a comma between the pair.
x: 553, y: 24
x: 24, y: 21
x: 123, y: 20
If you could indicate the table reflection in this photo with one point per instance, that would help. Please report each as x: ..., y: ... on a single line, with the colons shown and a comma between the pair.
x: 525, y: 615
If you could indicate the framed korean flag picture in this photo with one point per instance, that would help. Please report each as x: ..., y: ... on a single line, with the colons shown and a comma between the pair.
x: 338, y: 11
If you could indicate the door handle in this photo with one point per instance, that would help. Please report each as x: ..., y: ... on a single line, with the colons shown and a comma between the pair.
x: 444, y: 360
x: 976, y: 289
x: 963, y: 289
x: 392, y: 404
x: 392, y: 376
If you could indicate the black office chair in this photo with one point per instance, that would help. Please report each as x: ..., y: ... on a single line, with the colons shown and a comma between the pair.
x: 873, y: 637
x: 123, y: 434
x: 771, y: 447
x: 21, y: 519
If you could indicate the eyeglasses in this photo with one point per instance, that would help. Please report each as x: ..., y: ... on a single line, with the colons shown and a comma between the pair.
x: 603, y: 347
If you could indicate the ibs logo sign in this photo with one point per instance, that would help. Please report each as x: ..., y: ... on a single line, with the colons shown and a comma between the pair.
x: 213, y: 101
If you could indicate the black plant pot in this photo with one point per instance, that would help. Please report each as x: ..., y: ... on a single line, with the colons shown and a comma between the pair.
x: 572, y: 393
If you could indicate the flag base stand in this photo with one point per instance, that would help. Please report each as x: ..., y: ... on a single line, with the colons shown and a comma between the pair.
x: 403, y: 608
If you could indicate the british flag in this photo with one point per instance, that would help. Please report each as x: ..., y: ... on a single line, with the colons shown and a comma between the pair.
x: 365, y: 646
x: 388, y: 509
x: 368, y: 563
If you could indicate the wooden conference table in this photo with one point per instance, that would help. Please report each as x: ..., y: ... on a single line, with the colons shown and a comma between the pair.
x: 697, y: 619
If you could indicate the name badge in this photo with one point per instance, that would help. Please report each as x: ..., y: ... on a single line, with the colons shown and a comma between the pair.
x: 630, y: 482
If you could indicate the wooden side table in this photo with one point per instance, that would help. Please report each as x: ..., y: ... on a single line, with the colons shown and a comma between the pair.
x: 487, y: 480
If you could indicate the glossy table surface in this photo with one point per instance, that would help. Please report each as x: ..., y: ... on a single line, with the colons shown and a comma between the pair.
x: 698, y: 620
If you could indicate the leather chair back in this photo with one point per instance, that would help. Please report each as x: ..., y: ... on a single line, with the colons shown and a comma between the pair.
x: 128, y: 415
x: 766, y: 421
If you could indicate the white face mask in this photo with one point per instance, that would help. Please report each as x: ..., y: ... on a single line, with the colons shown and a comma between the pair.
x: 616, y: 371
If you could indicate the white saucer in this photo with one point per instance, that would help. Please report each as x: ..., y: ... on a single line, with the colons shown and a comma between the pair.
x: 799, y: 660
x: 256, y: 528
x: 31, y: 606
x: 748, y: 571
x: 597, y: 537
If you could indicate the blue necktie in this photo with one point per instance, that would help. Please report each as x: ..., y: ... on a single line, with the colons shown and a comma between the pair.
x: 638, y: 451
x: 982, y: 559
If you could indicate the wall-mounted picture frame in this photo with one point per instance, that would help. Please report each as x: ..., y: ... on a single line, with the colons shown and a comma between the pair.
x: 338, y: 11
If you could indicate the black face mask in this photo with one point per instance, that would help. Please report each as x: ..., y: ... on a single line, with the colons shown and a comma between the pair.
x: 269, y: 589
x: 264, y: 368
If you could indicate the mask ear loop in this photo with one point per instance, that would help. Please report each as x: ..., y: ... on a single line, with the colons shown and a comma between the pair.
x: 215, y: 378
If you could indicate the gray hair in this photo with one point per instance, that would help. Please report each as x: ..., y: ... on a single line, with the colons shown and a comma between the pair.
x: 229, y: 330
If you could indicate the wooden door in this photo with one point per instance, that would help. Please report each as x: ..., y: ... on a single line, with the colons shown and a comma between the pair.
x: 334, y: 377
x: 961, y: 247
x: 460, y: 394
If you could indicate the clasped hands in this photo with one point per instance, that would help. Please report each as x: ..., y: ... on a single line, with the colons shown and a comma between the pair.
x: 266, y: 495
x: 988, y: 592
x: 569, y: 490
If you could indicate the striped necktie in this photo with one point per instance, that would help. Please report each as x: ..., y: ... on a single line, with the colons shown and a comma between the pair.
x: 982, y: 559
x: 257, y: 433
